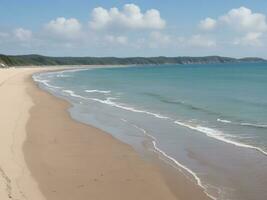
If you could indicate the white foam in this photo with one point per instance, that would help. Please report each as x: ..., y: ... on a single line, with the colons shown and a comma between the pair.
x: 98, y: 91
x: 45, y: 82
x: 198, y: 180
x: 70, y: 70
x: 243, y: 123
x: 118, y: 105
x: 109, y: 102
x: 213, y: 133
x: 254, y: 125
x: 62, y: 76
x: 173, y: 160
x: 71, y: 93
x: 224, y: 121
x: 59, y: 74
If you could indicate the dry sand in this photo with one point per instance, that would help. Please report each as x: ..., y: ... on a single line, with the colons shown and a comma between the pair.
x: 16, y: 181
x: 44, y: 154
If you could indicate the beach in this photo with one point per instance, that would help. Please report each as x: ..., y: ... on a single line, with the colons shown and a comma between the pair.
x: 144, y: 100
x: 45, y: 154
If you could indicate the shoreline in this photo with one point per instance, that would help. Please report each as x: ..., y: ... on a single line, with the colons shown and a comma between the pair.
x: 44, y: 159
x: 85, y: 163
x: 175, y: 179
x: 209, y: 132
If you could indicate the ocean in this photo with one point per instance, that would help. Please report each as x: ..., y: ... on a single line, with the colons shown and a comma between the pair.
x: 207, y: 120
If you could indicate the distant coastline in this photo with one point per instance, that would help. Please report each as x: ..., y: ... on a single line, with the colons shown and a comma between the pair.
x: 39, y: 60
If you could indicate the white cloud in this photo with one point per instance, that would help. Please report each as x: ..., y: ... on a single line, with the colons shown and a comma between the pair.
x: 250, y: 39
x: 130, y: 17
x: 208, y: 24
x: 241, y: 23
x: 22, y: 34
x: 242, y: 19
x: 66, y: 28
x: 201, y: 41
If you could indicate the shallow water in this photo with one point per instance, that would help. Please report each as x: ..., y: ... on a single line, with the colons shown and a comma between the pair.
x: 209, y: 120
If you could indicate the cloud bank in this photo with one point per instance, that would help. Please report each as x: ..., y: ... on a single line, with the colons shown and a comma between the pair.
x: 207, y: 24
x: 243, y: 19
x: 249, y: 26
x: 62, y: 27
x: 121, y: 31
x: 22, y: 34
x: 130, y: 17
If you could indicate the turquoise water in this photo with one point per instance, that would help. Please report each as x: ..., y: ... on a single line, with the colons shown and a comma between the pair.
x: 208, y: 120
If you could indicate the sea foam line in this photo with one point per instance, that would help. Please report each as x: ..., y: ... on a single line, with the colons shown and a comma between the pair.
x: 62, y: 76
x: 45, y: 82
x: 98, y: 91
x: 114, y: 104
x: 216, y: 134
x: 254, y: 125
x: 224, y: 121
x: 199, y: 182
x: 180, y: 166
x: 71, y: 70
x: 109, y: 101
x: 242, y: 123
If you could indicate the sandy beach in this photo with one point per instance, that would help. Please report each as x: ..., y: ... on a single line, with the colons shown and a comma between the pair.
x: 47, y: 155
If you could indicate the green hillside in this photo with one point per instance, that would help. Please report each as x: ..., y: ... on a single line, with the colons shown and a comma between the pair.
x: 38, y: 60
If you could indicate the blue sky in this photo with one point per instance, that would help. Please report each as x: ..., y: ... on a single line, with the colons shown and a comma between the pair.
x: 235, y: 28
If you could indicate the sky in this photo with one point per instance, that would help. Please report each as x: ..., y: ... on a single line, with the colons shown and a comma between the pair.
x: 235, y: 28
